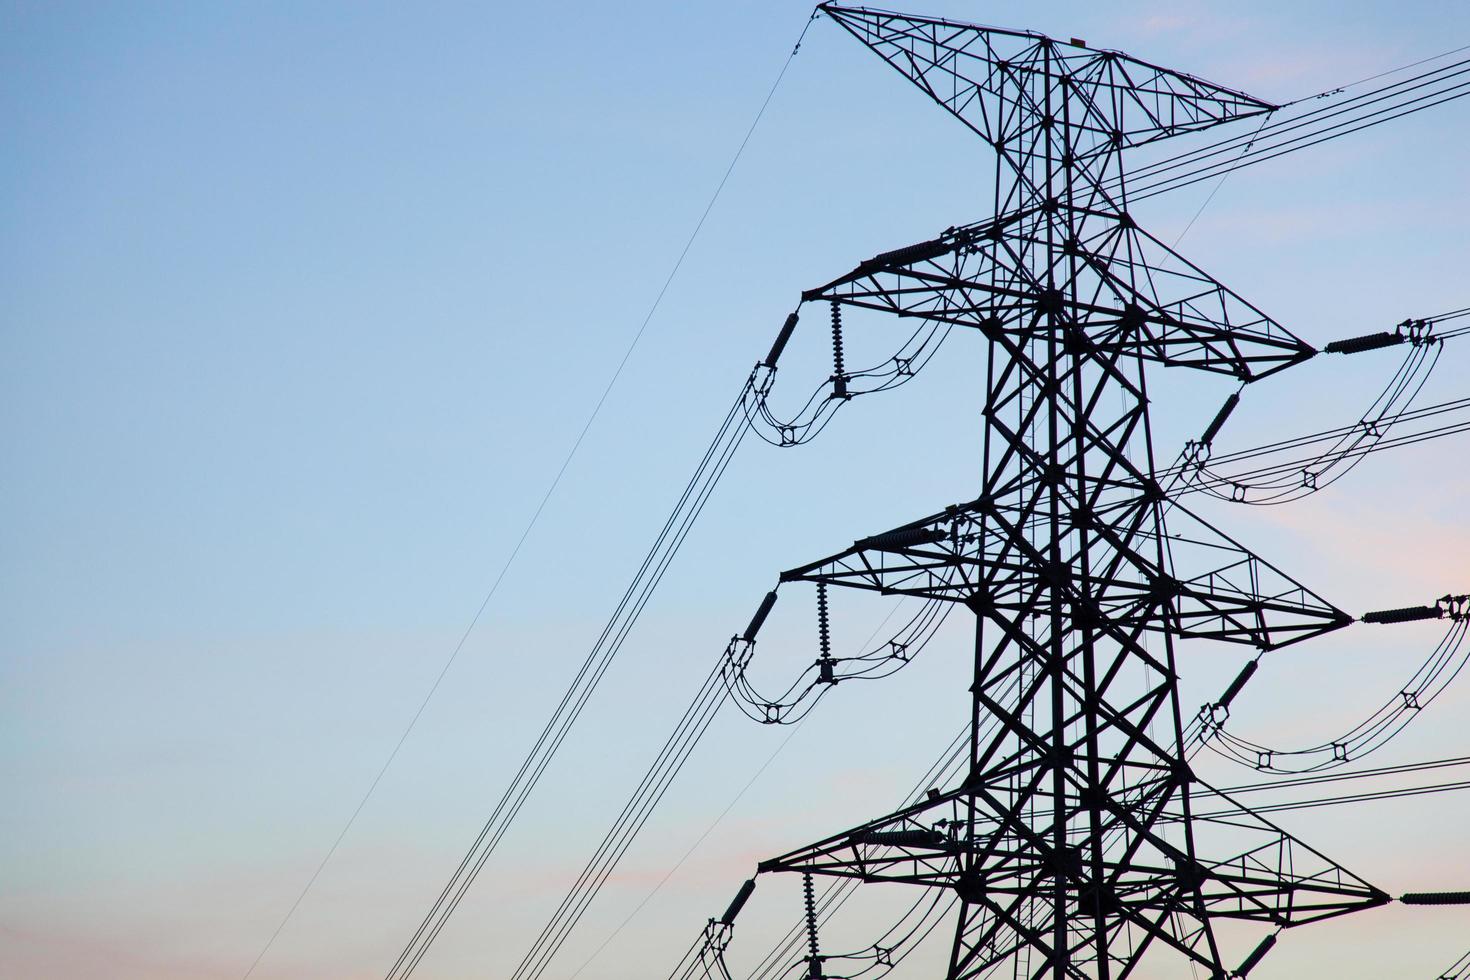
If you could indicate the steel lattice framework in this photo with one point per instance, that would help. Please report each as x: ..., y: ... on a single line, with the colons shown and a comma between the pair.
x: 1071, y: 844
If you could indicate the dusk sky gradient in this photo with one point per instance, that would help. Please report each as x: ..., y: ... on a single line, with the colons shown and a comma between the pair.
x: 301, y: 307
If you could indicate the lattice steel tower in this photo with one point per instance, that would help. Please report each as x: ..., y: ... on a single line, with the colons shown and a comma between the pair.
x: 1074, y: 844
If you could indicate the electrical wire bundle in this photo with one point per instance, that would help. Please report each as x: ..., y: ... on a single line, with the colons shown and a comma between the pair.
x: 1453, y: 331
x: 1310, y: 453
x: 706, y: 959
x: 1304, y: 128
x: 656, y: 781
x: 646, y: 796
x: 748, y: 413
x: 1458, y: 970
x: 1338, y: 800
x: 738, y: 421
x: 1272, y: 481
x: 703, y: 957
x: 807, y: 422
x: 609, y: 642
x: 1436, y: 673
x: 798, y: 700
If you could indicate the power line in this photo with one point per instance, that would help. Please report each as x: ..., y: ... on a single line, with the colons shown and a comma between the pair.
x: 1338, y: 777
x: 1270, y: 151
x: 608, y: 644
x: 1289, y: 123
x: 1391, y: 71
x: 635, y: 814
x: 1312, y: 127
x: 1458, y: 970
x: 535, y: 516
x: 708, y: 830
x: 780, y: 747
x: 1221, y: 183
x: 1387, y: 794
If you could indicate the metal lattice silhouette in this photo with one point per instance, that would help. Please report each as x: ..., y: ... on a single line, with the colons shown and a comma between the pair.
x: 1073, y: 844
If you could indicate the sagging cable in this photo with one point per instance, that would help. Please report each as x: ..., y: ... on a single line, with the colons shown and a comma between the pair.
x: 841, y: 386
x: 826, y: 671
x: 585, y: 681
x: 1458, y: 970
x: 1187, y: 474
x: 1445, y: 662
x: 1269, y: 480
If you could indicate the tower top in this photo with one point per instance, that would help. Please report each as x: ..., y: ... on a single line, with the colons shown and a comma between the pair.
x: 1004, y: 84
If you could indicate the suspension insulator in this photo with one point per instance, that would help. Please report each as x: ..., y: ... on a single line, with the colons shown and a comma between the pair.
x: 1372, y: 341
x: 824, y: 626
x: 782, y: 338
x: 824, y: 637
x: 901, y: 539
x: 1435, y: 898
x: 760, y: 617
x: 839, y: 371
x: 1220, y: 417
x: 814, y: 960
x: 1230, y: 692
x: 738, y: 903
x: 910, y: 254
x: 1257, y: 954
x: 1408, y: 614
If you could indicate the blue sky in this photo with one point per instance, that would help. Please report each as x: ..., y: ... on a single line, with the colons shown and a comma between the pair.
x: 302, y: 306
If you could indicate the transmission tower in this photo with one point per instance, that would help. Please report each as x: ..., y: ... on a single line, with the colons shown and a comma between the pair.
x: 1073, y: 842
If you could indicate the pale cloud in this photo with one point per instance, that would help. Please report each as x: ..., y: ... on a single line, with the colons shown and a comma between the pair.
x: 1288, y: 69
x: 1310, y: 65
x: 1189, y: 23
x: 1417, y: 550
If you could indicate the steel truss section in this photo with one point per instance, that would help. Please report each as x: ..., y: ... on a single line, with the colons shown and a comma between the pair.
x: 1070, y: 842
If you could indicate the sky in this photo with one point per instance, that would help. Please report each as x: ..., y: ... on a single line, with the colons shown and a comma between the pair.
x: 302, y: 306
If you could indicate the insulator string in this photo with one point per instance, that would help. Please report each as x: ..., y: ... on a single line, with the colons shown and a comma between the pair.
x: 1426, y: 684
